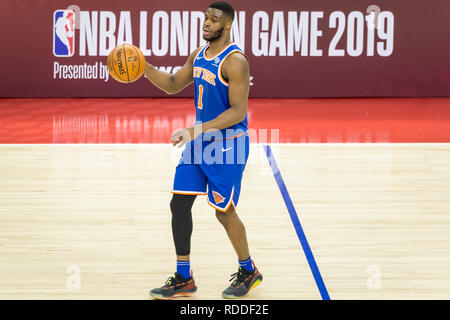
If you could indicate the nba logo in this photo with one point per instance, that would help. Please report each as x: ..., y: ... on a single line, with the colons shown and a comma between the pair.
x: 63, y: 33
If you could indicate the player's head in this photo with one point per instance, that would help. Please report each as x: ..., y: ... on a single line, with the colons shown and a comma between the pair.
x: 218, y: 20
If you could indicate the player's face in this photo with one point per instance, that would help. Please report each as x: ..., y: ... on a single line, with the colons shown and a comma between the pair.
x: 214, y: 25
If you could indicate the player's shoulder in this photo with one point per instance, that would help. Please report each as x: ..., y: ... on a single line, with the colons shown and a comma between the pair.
x: 236, y: 60
x: 237, y: 56
x: 235, y: 66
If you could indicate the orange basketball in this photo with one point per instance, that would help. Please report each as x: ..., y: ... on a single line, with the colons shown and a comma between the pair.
x: 126, y: 63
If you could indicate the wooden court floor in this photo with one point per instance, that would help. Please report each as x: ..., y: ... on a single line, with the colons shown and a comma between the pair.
x: 93, y: 222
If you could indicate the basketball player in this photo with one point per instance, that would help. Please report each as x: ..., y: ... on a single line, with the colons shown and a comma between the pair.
x: 220, y: 73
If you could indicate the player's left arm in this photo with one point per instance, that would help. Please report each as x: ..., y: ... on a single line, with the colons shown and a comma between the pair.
x: 237, y: 71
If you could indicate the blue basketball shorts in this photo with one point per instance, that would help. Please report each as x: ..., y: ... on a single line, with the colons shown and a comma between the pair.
x: 213, y: 168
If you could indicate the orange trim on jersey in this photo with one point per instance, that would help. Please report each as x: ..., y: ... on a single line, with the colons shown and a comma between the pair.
x: 189, y: 193
x: 199, y: 51
x: 228, y: 205
x: 209, y: 59
x: 238, y: 135
x: 220, y: 209
x: 221, y: 63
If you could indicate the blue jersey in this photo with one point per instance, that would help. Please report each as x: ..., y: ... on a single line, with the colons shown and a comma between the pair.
x: 211, y: 89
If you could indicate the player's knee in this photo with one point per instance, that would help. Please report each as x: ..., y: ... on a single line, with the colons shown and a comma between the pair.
x: 225, y: 217
x: 181, y: 204
x: 222, y: 217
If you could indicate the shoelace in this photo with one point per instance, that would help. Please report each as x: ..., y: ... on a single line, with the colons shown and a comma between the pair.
x: 169, y: 281
x: 237, y: 277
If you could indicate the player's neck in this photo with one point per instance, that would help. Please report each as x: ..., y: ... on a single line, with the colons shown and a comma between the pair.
x: 217, y: 46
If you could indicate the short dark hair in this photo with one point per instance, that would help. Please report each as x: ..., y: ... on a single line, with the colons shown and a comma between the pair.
x: 223, y: 6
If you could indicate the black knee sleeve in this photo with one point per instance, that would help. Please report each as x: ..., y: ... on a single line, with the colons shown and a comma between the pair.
x: 181, y: 206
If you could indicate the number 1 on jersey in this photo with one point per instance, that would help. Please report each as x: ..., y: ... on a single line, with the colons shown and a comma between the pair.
x: 200, y: 97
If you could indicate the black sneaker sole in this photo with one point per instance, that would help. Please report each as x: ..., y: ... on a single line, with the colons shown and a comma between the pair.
x: 177, y: 294
x: 255, y: 284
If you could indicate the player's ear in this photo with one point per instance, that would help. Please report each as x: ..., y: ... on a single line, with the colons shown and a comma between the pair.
x: 228, y: 24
